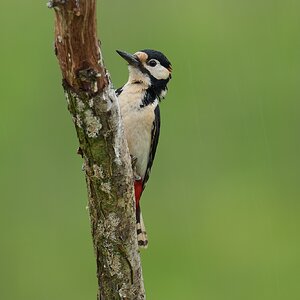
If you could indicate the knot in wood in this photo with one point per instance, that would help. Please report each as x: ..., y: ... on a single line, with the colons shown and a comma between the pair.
x: 88, y: 75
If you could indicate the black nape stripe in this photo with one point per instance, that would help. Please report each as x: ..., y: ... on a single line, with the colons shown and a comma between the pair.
x: 154, y: 91
x: 159, y: 85
x: 149, y: 97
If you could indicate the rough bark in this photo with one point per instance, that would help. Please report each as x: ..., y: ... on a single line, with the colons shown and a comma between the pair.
x: 96, y: 116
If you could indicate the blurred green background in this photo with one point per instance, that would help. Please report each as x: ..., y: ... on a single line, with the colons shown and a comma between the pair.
x: 222, y: 206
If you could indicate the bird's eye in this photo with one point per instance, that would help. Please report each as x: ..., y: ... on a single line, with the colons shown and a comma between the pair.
x: 152, y: 63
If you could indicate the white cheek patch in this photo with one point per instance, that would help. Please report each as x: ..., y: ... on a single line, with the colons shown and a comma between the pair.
x: 159, y: 72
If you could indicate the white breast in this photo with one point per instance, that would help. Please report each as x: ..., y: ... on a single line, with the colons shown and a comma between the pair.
x: 138, y: 124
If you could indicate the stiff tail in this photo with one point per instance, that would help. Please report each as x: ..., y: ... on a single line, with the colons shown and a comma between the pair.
x: 140, y: 227
x: 141, y: 231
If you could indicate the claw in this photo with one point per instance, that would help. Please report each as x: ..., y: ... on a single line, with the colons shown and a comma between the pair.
x: 133, y: 161
x: 136, y: 176
x: 133, y: 164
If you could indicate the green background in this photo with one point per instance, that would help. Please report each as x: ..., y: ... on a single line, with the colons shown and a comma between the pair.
x: 222, y: 205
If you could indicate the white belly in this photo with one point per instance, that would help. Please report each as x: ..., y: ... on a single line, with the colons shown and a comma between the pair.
x: 138, y: 124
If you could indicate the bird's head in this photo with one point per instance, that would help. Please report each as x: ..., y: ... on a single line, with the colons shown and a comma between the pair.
x: 149, y: 67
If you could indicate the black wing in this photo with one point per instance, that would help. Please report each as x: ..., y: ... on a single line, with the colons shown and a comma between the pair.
x: 154, y: 142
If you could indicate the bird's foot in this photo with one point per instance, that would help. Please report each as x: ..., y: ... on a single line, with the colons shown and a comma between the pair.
x: 133, y: 164
x: 136, y: 176
x: 133, y: 161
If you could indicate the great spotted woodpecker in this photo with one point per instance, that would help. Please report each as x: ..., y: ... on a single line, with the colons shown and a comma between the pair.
x: 149, y: 74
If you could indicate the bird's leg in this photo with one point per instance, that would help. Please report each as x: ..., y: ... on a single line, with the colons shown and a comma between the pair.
x: 133, y: 164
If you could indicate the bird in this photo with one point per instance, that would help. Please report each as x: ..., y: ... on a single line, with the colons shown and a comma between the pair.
x: 139, y: 99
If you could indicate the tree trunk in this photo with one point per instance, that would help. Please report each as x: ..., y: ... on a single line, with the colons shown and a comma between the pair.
x: 96, y: 115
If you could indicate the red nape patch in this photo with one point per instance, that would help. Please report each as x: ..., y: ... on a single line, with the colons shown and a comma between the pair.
x: 138, y: 189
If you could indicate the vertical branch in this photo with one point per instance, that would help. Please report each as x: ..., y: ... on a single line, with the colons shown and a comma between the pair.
x: 96, y: 116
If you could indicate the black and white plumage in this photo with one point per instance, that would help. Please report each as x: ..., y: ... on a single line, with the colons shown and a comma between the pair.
x: 139, y: 98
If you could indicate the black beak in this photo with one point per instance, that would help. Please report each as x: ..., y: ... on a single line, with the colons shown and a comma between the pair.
x: 131, y: 59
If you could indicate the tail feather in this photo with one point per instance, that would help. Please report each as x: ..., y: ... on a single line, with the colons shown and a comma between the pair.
x: 140, y: 227
x: 141, y: 232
